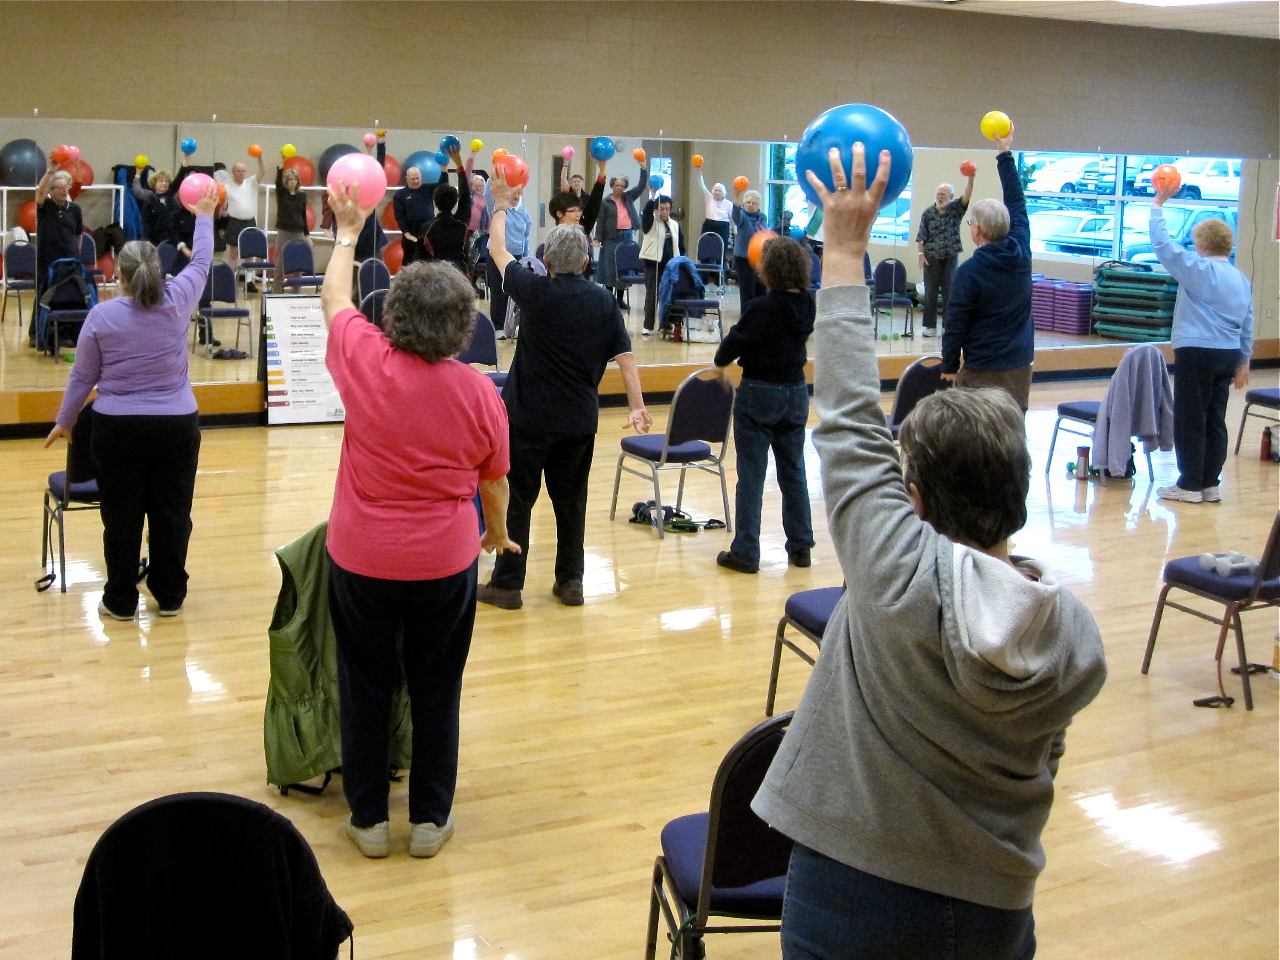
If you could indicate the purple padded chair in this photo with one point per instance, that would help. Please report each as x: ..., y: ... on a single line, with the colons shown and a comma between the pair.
x: 253, y: 255
x: 709, y: 258
x: 726, y: 862
x: 918, y: 381
x: 483, y: 349
x: 1237, y: 594
x: 297, y: 258
x: 701, y: 415
x: 220, y: 287
x: 1265, y: 397
x: 808, y: 612
x: 889, y: 290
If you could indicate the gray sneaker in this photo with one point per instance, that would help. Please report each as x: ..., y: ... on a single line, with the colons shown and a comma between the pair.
x: 374, y: 842
x: 1177, y: 493
x: 1212, y: 494
x: 426, y: 839
x: 928, y: 331
x: 104, y: 612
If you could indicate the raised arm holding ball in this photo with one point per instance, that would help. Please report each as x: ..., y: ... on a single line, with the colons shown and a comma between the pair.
x: 917, y: 774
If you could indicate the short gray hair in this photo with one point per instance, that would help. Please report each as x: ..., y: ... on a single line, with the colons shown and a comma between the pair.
x: 991, y: 217
x: 947, y: 187
x: 62, y: 175
x: 430, y: 311
x: 565, y: 250
x: 749, y: 194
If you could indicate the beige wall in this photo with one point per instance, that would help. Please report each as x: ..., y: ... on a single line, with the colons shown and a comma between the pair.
x: 733, y: 71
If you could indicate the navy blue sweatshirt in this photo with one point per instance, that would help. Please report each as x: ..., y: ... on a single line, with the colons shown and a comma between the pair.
x: 770, y: 341
x: 989, y: 314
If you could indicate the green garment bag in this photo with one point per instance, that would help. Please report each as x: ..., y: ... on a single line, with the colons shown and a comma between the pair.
x: 301, y: 730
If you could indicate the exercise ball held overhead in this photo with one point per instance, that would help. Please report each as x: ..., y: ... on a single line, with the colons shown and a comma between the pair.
x: 477, y: 145
x: 657, y: 181
x: 602, y: 149
x: 996, y: 124
x: 330, y: 155
x: 1166, y: 176
x: 500, y: 153
x: 841, y: 127
x: 697, y: 159
x: 638, y: 153
x: 968, y: 168
x: 255, y: 150
x: 59, y: 154
x: 450, y: 142
x: 741, y: 183
x: 756, y: 247
x: 140, y: 160
x: 361, y: 169
x: 514, y: 170
x: 442, y: 158
x: 188, y: 146
x: 288, y: 151
x: 567, y: 153
x: 193, y: 188
x: 22, y: 163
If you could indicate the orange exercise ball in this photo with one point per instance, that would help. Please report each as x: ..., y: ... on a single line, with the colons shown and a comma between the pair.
x: 306, y: 172
x: 389, y: 217
x: 107, y: 264
x: 255, y: 150
x: 1166, y: 176
x: 638, y: 153
x: 697, y: 159
x: 741, y: 183
x: 27, y: 217
x: 393, y: 256
x: 500, y: 153
x: 756, y: 246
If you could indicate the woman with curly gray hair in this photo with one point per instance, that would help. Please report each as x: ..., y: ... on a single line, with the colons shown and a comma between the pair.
x: 403, y: 537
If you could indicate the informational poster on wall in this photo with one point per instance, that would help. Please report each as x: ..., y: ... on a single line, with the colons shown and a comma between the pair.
x: 299, y: 388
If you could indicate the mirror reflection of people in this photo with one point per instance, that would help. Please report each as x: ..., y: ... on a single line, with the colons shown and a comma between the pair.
x: 918, y: 772
x: 291, y: 219
x: 938, y: 240
x: 747, y: 220
x: 617, y: 223
x: 146, y: 430
x: 59, y: 224
x: 989, y: 314
x: 445, y: 237
x: 719, y: 210
x: 1212, y: 345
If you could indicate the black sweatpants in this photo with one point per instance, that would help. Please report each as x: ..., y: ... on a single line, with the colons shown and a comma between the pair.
x: 1201, y: 380
x: 146, y: 467
x: 497, y: 296
x: 748, y: 283
x: 565, y: 460
x: 436, y: 617
x: 652, y: 278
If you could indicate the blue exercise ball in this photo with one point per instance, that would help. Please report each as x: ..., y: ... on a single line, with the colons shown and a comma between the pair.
x: 331, y: 154
x: 426, y: 164
x: 188, y: 146
x: 22, y: 163
x: 657, y: 181
x: 442, y: 158
x: 602, y: 149
x: 841, y: 127
x: 447, y: 143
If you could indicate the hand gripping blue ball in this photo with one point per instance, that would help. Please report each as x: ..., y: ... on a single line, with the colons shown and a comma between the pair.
x: 602, y: 149
x: 842, y: 127
x: 447, y: 143
x: 188, y: 146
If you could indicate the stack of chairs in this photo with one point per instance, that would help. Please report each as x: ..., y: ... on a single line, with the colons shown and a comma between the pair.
x: 1133, y: 302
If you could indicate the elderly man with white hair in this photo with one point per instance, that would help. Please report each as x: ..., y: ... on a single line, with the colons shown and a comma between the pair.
x: 570, y: 329
x: 989, y: 315
x: 59, y: 224
x: 242, y: 204
x: 938, y: 240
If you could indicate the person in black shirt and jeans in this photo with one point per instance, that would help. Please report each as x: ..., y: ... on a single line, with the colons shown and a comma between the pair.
x: 59, y: 224
x: 772, y: 406
x: 569, y: 331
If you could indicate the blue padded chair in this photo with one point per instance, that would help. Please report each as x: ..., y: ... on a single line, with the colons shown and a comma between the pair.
x: 89, y: 257
x: 372, y: 275
x: 709, y: 258
x: 296, y: 258
x: 75, y: 488
x: 808, y: 612
x: 19, y: 274
x: 1264, y: 397
x: 167, y: 253
x: 701, y: 415
x: 483, y: 349
x: 726, y: 862
x: 1237, y: 594
x: 919, y: 380
x: 254, y: 255
x: 889, y: 290
x: 688, y: 297
x: 626, y: 258
x: 220, y: 287
x: 371, y: 306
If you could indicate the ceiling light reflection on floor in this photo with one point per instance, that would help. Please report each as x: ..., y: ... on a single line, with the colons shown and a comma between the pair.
x: 687, y: 619
x: 203, y: 686
x: 1152, y: 828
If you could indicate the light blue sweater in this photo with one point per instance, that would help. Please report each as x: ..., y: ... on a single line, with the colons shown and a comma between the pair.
x: 1215, y: 301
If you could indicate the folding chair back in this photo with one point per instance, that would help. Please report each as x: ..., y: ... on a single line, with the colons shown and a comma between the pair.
x: 296, y: 258
x: 710, y: 250
x: 890, y: 278
x: 371, y: 306
x: 918, y: 381
x: 483, y: 348
x: 626, y: 258
x: 373, y: 275
x: 20, y: 262
x: 702, y: 409
x: 253, y: 244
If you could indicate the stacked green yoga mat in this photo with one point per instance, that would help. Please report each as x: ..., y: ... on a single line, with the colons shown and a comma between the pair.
x: 1133, y: 302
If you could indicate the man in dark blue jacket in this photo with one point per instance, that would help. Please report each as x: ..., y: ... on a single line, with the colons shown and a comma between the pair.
x: 989, y: 315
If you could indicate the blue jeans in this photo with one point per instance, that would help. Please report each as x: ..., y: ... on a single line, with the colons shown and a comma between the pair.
x: 770, y: 415
x: 837, y: 912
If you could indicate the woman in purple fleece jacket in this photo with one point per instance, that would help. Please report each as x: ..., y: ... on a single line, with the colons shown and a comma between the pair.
x: 146, y: 432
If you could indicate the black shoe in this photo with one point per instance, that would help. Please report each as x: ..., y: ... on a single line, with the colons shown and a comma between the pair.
x: 251, y: 288
x: 498, y: 597
x: 730, y: 562
x: 569, y: 592
x: 800, y: 558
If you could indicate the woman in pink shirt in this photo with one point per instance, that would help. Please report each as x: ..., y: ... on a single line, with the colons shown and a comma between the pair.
x: 423, y: 431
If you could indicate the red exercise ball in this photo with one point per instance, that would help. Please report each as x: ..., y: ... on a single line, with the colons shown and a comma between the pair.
x: 391, y: 167
x: 59, y: 154
x: 306, y: 172
x: 107, y: 264
x: 393, y: 256
x: 27, y: 217
x: 389, y: 217
x: 311, y: 218
x: 968, y: 168
x: 756, y: 247
x: 81, y: 175
x: 514, y: 169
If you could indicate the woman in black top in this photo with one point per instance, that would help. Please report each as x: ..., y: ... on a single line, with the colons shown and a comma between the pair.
x: 445, y: 238
x: 772, y: 406
x: 291, y: 218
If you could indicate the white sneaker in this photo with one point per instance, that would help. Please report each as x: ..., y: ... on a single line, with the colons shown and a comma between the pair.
x: 426, y: 839
x: 1175, y: 492
x: 104, y: 612
x: 1212, y: 494
x: 374, y: 842
x: 928, y: 331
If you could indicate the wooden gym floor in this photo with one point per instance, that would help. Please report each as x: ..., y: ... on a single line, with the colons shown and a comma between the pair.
x: 585, y: 730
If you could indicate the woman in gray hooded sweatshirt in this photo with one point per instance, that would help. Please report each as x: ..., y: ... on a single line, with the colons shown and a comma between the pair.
x: 917, y: 775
